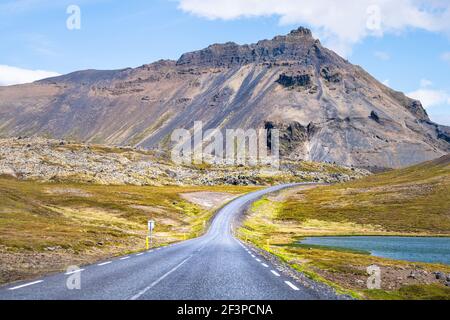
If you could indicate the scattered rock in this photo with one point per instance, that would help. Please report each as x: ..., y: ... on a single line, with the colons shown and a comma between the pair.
x: 440, y: 275
x: 56, y: 160
x: 374, y: 116
x: 53, y: 248
x: 360, y: 282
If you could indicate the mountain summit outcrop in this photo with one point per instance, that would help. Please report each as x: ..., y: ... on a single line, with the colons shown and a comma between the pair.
x: 327, y: 109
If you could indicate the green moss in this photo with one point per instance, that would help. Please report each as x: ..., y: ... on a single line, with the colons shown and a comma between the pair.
x: 416, y: 292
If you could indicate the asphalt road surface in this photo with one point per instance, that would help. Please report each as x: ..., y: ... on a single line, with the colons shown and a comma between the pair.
x: 215, y: 266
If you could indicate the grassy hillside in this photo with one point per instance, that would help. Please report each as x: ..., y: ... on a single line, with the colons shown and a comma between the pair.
x: 415, y: 199
x: 411, y: 201
x: 45, y: 227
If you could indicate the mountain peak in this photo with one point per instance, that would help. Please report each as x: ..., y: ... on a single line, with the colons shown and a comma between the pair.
x: 301, y: 32
x: 293, y: 46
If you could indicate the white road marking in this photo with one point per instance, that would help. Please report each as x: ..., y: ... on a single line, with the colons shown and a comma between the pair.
x: 140, y: 294
x: 258, y: 260
x: 264, y: 265
x: 124, y: 258
x: 275, y: 273
x: 291, y: 285
x: 139, y: 254
x: 73, y: 272
x: 104, y: 263
x: 26, y: 285
x: 252, y: 256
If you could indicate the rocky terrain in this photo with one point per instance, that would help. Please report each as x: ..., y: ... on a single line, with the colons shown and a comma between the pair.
x: 328, y: 109
x: 56, y: 160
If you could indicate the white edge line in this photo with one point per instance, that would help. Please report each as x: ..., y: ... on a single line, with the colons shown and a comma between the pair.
x: 26, y: 285
x: 139, y: 254
x: 275, y: 273
x: 104, y: 263
x: 124, y: 258
x: 264, y: 265
x: 291, y: 285
x: 73, y: 272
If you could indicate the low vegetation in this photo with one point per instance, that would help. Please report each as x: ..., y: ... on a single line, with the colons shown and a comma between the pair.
x: 45, y: 227
x: 411, y: 202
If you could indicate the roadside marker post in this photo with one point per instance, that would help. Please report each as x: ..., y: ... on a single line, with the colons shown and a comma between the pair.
x: 149, y: 240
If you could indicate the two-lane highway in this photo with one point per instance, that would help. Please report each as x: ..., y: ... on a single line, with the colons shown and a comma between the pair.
x: 215, y: 266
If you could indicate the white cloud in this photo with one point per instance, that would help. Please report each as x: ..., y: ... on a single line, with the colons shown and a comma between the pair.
x: 446, y: 57
x: 424, y: 83
x: 339, y: 24
x: 382, y: 55
x: 12, y: 75
x: 431, y: 98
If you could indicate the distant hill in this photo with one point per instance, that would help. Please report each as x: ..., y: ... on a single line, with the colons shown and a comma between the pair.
x: 327, y: 109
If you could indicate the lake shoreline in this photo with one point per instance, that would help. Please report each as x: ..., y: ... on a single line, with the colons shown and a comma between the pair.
x: 412, y: 249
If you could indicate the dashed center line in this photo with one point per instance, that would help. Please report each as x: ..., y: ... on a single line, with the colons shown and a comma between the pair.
x: 140, y: 294
x: 104, y: 263
x: 264, y: 265
x: 275, y: 273
x: 26, y: 285
x: 293, y: 287
x: 124, y: 258
x: 258, y: 260
x: 139, y: 254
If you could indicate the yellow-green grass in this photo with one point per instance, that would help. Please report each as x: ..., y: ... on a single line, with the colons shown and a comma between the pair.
x: 86, y: 222
x: 409, y: 202
x: 412, y: 292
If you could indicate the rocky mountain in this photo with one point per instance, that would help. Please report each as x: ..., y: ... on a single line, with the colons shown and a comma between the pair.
x: 327, y: 109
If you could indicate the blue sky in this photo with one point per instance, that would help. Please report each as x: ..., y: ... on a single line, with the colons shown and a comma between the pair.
x: 407, y: 46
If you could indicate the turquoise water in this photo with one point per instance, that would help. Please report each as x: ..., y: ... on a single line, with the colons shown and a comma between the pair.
x: 421, y: 249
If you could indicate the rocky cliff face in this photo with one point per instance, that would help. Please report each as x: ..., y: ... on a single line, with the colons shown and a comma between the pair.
x: 327, y: 109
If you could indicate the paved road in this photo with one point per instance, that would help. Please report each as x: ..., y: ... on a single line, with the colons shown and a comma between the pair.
x: 215, y: 266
